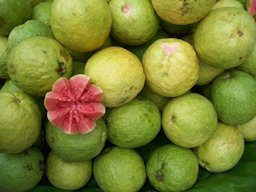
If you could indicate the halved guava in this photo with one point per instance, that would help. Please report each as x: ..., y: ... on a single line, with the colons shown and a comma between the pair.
x: 74, y: 105
x: 251, y: 7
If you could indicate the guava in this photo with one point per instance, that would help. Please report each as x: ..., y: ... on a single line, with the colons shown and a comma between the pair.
x: 3, y: 57
x: 20, y: 122
x: 76, y: 147
x: 13, y: 13
x: 227, y: 3
x: 36, y: 63
x: 229, y: 45
x: 118, y: 169
x: 81, y: 25
x: 249, y: 65
x: 207, y: 73
x: 189, y: 120
x: 133, y: 22
x: 67, y: 175
x: 223, y: 150
x: 172, y: 168
x: 159, y: 100
x: 182, y: 12
x: 9, y: 86
x: 30, y: 28
x: 118, y: 72
x: 74, y: 105
x: 140, y: 49
x: 133, y: 124
x: 41, y: 12
x: 248, y: 130
x: 171, y: 67
x: 233, y: 96
x: 177, y: 30
x: 22, y: 171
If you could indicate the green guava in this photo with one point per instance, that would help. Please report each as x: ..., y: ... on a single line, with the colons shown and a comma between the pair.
x: 177, y: 30
x: 248, y: 130
x: 133, y: 22
x: 3, y: 57
x: 159, y: 100
x: 207, y: 73
x: 233, y: 96
x: 182, y: 12
x: 133, y: 124
x: 36, y: 63
x: 76, y: 147
x: 81, y: 25
x: 118, y: 72
x: 249, y: 65
x: 118, y: 169
x: 30, y: 28
x: 223, y: 150
x: 229, y: 45
x: 227, y: 3
x: 67, y: 175
x: 21, y: 171
x: 171, y: 67
x: 12, y: 13
x: 172, y: 168
x: 9, y: 86
x: 41, y: 12
x: 189, y: 120
x: 140, y: 49
x: 20, y: 122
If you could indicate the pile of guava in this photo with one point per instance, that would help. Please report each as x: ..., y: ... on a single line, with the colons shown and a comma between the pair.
x: 127, y: 95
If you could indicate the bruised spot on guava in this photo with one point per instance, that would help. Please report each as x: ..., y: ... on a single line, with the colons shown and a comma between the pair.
x: 184, y: 8
x: 126, y: 9
x: 61, y: 70
x: 159, y: 175
x: 74, y: 105
x: 169, y: 49
x: 240, y: 33
x: 173, y: 119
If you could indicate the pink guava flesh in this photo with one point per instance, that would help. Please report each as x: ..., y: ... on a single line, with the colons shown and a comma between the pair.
x: 74, y: 105
x: 252, y: 7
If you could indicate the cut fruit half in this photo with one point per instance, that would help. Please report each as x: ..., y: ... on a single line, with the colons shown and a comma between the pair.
x: 74, y: 104
x: 251, y: 7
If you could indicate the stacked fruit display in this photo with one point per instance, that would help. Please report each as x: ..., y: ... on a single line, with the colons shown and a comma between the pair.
x: 127, y: 95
